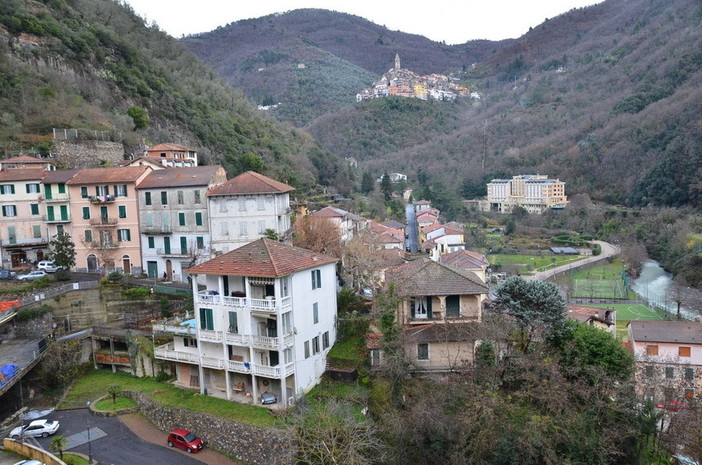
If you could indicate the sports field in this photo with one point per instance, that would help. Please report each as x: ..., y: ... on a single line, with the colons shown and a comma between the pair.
x: 599, y: 289
x: 629, y: 312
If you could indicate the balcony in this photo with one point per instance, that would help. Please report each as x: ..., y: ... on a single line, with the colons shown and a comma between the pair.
x: 261, y: 370
x: 56, y: 198
x: 103, y: 222
x: 101, y: 199
x: 168, y: 352
x: 18, y: 243
x: 102, y: 245
x: 259, y: 342
x: 156, y: 230
x: 56, y: 219
x: 175, y: 252
x: 179, y: 326
x: 268, y: 305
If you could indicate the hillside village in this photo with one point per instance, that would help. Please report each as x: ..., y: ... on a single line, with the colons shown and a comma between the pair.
x: 403, y: 82
x: 264, y: 289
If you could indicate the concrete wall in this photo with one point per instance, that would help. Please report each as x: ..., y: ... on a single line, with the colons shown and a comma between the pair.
x: 87, y: 153
x: 31, y: 452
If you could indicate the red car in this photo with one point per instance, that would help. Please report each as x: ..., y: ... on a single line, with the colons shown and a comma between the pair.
x: 184, y: 439
x: 672, y: 405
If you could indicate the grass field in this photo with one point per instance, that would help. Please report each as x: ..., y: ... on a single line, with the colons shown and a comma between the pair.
x: 629, y: 312
x: 532, y: 262
x: 599, y: 289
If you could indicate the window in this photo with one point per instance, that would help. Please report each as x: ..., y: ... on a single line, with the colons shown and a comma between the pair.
x: 12, y: 234
x: 315, y: 313
x: 181, y: 219
x: 200, y: 241
x: 307, y: 349
x: 325, y: 340
x: 206, y: 320
x: 9, y: 210
x: 102, y: 191
x: 34, y: 207
x: 104, y: 212
x: 669, y: 372
x: 61, y: 188
x: 649, y: 371
x: 315, y: 345
x: 149, y: 220
x: 261, y: 226
x: 189, y: 342
x: 652, y: 350
x: 198, y: 218
x: 243, y: 229
x: 32, y: 188
x: 88, y: 234
x: 122, y: 211
x: 36, y: 231
x: 423, y: 351
x: 59, y: 229
x: 223, y: 228
x: 316, y: 279
x: 683, y: 351
x: 147, y: 198
x: 180, y: 197
x: 183, y: 245
x: 124, y: 235
x: 7, y: 188
x: 689, y: 374
x: 151, y: 241
x: 260, y: 203
x: 83, y: 192
x: 167, y: 245
x: 86, y: 213
x: 223, y: 206
x: 233, y: 324
x: 197, y: 196
x: 242, y: 204
x: 120, y: 190
x: 164, y: 198
x: 106, y: 239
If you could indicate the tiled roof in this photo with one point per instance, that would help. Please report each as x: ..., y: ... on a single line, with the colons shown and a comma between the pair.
x: 465, y: 259
x: 585, y: 314
x: 387, y: 239
x: 26, y: 159
x: 426, y: 277
x: 182, y: 177
x: 263, y: 258
x: 59, y: 176
x: 23, y: 174
x: 167, y: 147
x: 453, y: 332
x: 329, y: 212
x: 686, y: 332
x: 250, y: 182
x: 392, y: 224
x: 422, y: 202
x: 108, y: 175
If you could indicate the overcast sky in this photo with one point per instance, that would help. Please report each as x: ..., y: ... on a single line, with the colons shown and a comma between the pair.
x: 455, y: 21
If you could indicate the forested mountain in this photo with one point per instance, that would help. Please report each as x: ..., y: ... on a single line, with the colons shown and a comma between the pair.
x: 341, y: 54
x: 95, y: 64
x: 606, y: 98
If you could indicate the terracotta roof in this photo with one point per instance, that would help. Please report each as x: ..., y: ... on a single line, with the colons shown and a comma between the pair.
x: 687, y: 332
x: 427, y: 277
x: 156, y: 161
x: 422, y: 202
x: 59, y: 176
x: 387, y: 239
x: 333, y: 212
x: 182, y: 177
x: 250, y: 182
x: 26, y: 159
x: 465, y: 259
x: 263, y: 258
x: 432, y: 227
x: 23, y: 174
x: 585, y: 314
x: 167, y: 147
x: 392, y: 224
x: 427, y: 245
x: 108, y: 175
x: 450, y: 332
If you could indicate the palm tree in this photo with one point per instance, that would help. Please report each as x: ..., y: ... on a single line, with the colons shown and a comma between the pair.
x: 58, y: 443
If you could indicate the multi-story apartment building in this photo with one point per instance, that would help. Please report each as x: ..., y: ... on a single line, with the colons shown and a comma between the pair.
x: 348, y: 223
x: 265, y: 323
x: 56, y: 202
x: 534, y: 192
x: 173, y: 155
x: 243, y: 208
x: 174, y: 222
x: 104, y: 215
x: 24, y: 237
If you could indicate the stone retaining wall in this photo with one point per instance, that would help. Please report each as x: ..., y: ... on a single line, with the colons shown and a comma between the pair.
x: 249, y: 443
x: 87, y: 153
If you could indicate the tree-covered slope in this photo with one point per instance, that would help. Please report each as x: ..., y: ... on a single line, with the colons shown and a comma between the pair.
x: 85, y: 63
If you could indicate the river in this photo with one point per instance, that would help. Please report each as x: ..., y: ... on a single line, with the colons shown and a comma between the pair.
x: 652, y: 286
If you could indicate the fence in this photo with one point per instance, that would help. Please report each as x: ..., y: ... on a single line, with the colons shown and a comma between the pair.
x: 86, y: 134
x: 48, y: 293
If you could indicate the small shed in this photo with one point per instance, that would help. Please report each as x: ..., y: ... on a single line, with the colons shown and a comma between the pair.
x: 564, y: 251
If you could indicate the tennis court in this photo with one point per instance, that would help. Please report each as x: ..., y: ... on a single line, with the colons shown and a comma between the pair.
x: 598, y: 289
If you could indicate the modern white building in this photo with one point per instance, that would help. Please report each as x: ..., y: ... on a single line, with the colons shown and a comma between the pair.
x: 264, y: 324
x: 173, y: 219
x: 534, y: 192
x: 243, y: 208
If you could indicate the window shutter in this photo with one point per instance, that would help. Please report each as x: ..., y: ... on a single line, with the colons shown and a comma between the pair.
x: 429, y: 307
x: 412, y: 304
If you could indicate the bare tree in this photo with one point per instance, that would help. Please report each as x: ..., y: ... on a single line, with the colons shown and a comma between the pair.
x: 634, y: 255
x: 679, y: 293
x: 318, y: 234
x: 362, y: 259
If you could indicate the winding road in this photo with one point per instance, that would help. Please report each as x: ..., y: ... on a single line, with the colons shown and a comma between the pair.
x: 608, y: 250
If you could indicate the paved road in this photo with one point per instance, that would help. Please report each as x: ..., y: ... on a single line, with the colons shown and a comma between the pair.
x: 411, y: 230
x: 608, y: 250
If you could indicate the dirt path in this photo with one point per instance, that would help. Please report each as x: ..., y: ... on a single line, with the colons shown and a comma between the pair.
x: 148, y: 432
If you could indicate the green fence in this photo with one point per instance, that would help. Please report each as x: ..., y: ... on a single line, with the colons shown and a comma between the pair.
x: 172, y: 290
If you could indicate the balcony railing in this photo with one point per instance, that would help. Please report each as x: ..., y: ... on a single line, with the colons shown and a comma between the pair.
x: 103, y: 222
x: 56, y: 219
x: 259, y: 342
x: 267, y: 305
x: 101, y: 199
x: 174, y: 252
x: 207, y: 335
x: 168, y: 352
x: 163, y: 229
x: 261, y: 370
x: 102, y: 245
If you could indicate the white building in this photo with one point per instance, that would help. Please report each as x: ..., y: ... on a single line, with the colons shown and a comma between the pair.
x: 265, y: 323
x: 243, y: 208
x: 173, y: 219
x: 348, y: 223
x: 534, y: 192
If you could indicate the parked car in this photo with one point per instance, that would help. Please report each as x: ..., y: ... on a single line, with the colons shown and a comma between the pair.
x: 32, y: 275
x: 268, y: 398
x: 184, y: 439
x: 48, y: 266
x: 30, y: 462
x: 671, y: 405
x: 7, y: 274
x: 43, y: 428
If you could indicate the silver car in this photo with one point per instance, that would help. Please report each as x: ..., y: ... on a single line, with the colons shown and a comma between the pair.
x: 32, y: 275
x: 43, y: 428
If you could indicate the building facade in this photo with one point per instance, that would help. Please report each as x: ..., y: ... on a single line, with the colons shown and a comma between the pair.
x: 264, y: 324
x: 534, y: 192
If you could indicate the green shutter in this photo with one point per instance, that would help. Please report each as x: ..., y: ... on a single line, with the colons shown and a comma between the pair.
x: 147, y: 198
x: 35, y: 208
x: 198, y: 219
x: 453, y: 306
x: 47, y: 191
x: 50, y: 213
x: 167, y: 245
x: 61, y: 188
x: 429, y: 307
x: 184, y: 245
x: 122, y: 211
x: 164, y: 198
x: 181, y: 219
x: 200, y: 242
x: 64, y: 212
x: 206, y: 321
x: 86, y: 213
x: 233, y: 323
x: 151, y: 242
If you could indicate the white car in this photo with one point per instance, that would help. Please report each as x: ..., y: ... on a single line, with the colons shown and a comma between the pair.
x: 32, y: 275
x: 48, y: 266
x: 43, y: 428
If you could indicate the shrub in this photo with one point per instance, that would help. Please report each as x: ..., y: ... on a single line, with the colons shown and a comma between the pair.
x: 62, y: 275
x: 137, y: 292
x: 32, y: 313
x: 115, y: 277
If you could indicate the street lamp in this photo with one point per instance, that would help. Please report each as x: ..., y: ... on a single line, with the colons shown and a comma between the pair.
x: 90, y: 449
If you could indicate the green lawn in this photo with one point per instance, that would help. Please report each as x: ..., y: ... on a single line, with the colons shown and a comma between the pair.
x: 93, y: 385
x: 629, y: 312
x: 607, y: 271
x: 532, y: 262
x: 118, y: 404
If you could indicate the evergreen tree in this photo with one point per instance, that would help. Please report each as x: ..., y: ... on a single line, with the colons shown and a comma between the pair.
x: 367, y: 183
x: 386, y: 187
x: 63, y: 250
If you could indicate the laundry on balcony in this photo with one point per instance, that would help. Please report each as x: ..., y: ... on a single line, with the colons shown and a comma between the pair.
x: 247, y: 365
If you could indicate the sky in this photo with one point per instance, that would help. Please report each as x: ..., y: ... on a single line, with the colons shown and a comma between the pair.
x: 455, y: 21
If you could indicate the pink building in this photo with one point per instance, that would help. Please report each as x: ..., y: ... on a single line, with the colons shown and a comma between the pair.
x: 105, y: 217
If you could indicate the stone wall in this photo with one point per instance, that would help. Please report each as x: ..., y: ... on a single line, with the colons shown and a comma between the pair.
x: 249, y: 443
x: 87, y: 153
